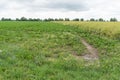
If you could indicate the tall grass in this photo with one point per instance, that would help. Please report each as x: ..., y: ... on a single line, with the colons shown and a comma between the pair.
x: 109, y: 29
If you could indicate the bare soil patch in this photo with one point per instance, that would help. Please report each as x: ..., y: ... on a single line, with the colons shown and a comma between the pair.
x: 93, y: 53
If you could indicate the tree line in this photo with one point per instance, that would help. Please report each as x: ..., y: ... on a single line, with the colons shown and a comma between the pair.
x: 58, y: 19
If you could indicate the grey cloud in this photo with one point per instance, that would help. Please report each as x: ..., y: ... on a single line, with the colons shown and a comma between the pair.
x: 3, y: 6
x: 50, y: 5
x: 23, y: 1
x: 69, y: 6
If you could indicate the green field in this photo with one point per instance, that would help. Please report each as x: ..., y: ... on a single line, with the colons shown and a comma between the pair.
x: 54, y: 51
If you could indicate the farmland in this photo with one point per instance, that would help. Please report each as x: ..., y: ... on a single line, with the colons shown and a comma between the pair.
x: 107, y: 29
x: 54, y: 50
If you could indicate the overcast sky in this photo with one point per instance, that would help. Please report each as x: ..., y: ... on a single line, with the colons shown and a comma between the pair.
x: 60, y: 8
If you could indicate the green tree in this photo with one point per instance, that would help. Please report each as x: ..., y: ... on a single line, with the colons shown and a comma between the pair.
x: 67, y: 19
x: 17, y: 19
x: 50, y: 19
x: 113, y: 20
x: 101, y: 19
x: 61, y: 19
x: 23, y: 19
x: 82, y: 19
x: 76, y: 19
x: 6, y: 19
x: 92, y: 19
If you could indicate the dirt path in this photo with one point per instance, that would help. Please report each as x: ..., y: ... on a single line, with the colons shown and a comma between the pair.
x: 0, y: 51
x: 93, y: 53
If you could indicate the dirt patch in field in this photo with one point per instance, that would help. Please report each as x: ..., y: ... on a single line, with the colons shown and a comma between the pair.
x: 0, y: 51
x: 90, y: 54
x: 93, y: 53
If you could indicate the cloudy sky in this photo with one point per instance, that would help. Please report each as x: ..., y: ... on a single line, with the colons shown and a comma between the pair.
x: 60, y: 8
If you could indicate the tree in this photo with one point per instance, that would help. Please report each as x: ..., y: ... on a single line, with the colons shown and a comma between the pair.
x: 23, y: 19
x: 96, y: 20
x: 92, y: 19
x: 67, y: 19
x: 45, y: 20
x: 30, y: 19
x: 36, y: 19
x: 50, y: 19
x: 17, y: 19
x: 113, y: 20
x: 81, y: 19
x: 6, y: 19
x: 61, y: 19
x: 56, y: 19
x: 76, y: 19
x: 2, y: 19
x: 101, y: 19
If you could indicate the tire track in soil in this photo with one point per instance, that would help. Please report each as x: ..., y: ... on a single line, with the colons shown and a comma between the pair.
x: 93, y: 53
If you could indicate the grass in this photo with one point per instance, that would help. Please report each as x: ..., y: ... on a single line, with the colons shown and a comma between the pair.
x: 44, y: 51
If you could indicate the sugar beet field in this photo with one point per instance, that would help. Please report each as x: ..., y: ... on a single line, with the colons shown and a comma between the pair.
x: 59, y: 50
